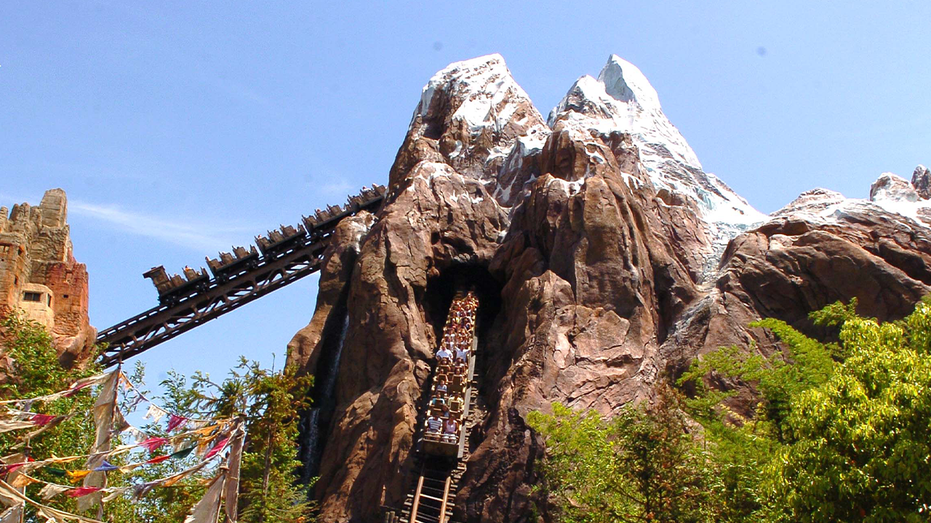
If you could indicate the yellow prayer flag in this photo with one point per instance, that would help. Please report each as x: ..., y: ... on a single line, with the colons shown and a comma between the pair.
x: 77, y: 475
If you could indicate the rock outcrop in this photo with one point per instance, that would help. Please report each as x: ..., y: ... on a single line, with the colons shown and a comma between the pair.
x: 604, y: 259
x: 39, y: 275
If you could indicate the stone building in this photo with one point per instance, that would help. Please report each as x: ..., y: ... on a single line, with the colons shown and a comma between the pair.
x: 40, y: 277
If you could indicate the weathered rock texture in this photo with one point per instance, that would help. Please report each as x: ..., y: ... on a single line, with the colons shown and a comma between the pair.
x: 39, y: 275
x: 605, y: 259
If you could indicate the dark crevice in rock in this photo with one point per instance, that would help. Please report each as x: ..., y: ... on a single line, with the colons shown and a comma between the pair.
x: 315, y: 422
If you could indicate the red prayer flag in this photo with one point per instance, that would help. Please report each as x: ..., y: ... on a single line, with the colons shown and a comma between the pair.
x: 175, y: 421
x: 216, y: 448
x: 153, y: 443
x: 82, y: 491
x: 41, y: 419
x: 72, y: 392
x: 159, y: 459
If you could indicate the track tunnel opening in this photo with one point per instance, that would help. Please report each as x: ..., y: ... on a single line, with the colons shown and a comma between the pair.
x: 463, y: 277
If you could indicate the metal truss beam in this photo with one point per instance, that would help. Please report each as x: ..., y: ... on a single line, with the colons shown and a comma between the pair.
x: 160, y: 324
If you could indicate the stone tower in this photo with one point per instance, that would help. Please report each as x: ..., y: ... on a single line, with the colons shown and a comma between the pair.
x: 39, y: 275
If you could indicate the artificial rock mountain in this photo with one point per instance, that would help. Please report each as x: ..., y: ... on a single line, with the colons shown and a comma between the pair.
x: 40, y: 278
x: 604, y: 257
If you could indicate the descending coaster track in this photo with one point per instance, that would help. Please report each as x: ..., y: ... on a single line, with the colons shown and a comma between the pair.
x: 287, y: 255
x: 445, y: 421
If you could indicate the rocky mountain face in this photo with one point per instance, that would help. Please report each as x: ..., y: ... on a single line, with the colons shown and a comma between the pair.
x: 604, y: 258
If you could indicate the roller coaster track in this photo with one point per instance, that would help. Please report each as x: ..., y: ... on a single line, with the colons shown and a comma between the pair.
x: 186, y: 304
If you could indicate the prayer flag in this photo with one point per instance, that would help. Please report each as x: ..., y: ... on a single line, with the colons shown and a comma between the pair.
x: 13, y: 514
x: 115, y: 493
x: 50, y: 490
x: 104, y: 410
x: 21, y: 480
x: 42, y: 419
x: 208, y: 508
x: 158, y: 459
x: 217, y: 448
x: 77, y: 475
x: 106, y: 466
x: 143, y: 489
x: 8, y: 425
x: 155, y: 413
x: 175, y: 421
x: 183, y: 453
x: 153, y: 443
x: 82, y: 491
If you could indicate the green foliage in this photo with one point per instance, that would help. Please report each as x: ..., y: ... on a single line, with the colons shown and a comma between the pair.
x: 271, y: 404
x: 841, y: 432
x: 858, y: 447
x: 36, y: 372
x: 643, y: 465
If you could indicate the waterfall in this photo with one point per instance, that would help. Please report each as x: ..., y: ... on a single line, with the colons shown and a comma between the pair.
x: 315, y: 422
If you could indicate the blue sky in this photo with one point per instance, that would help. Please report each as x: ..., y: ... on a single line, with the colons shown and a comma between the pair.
x: 179, y: 128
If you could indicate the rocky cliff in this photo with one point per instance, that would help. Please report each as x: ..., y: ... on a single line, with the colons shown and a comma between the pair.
x: 604, y: 258
x: 40, y: 277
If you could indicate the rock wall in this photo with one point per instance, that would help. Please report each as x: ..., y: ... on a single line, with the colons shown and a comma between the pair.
x: 606, y: 260
x: 39, y: 275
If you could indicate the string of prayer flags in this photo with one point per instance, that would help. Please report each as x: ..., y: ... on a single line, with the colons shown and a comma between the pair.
x: 11, y: 496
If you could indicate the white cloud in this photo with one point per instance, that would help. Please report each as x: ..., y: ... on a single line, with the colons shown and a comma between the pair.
x: 197, y: 235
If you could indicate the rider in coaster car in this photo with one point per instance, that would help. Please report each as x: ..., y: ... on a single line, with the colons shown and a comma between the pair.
x: 443, y: 355
x: 450, y: 430
x: 434, y: 424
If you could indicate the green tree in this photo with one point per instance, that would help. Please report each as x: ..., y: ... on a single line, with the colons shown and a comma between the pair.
x: 270, y: 403
x: 841, y: 431
x: 35, y: 371
x: 642, y: 466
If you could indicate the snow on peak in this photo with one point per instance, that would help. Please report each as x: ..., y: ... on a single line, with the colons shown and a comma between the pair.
x: 481, y: 90
x: 893, y: 188
x: 624, y: 82
x: 889, y: 193
x: 622, y: 99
